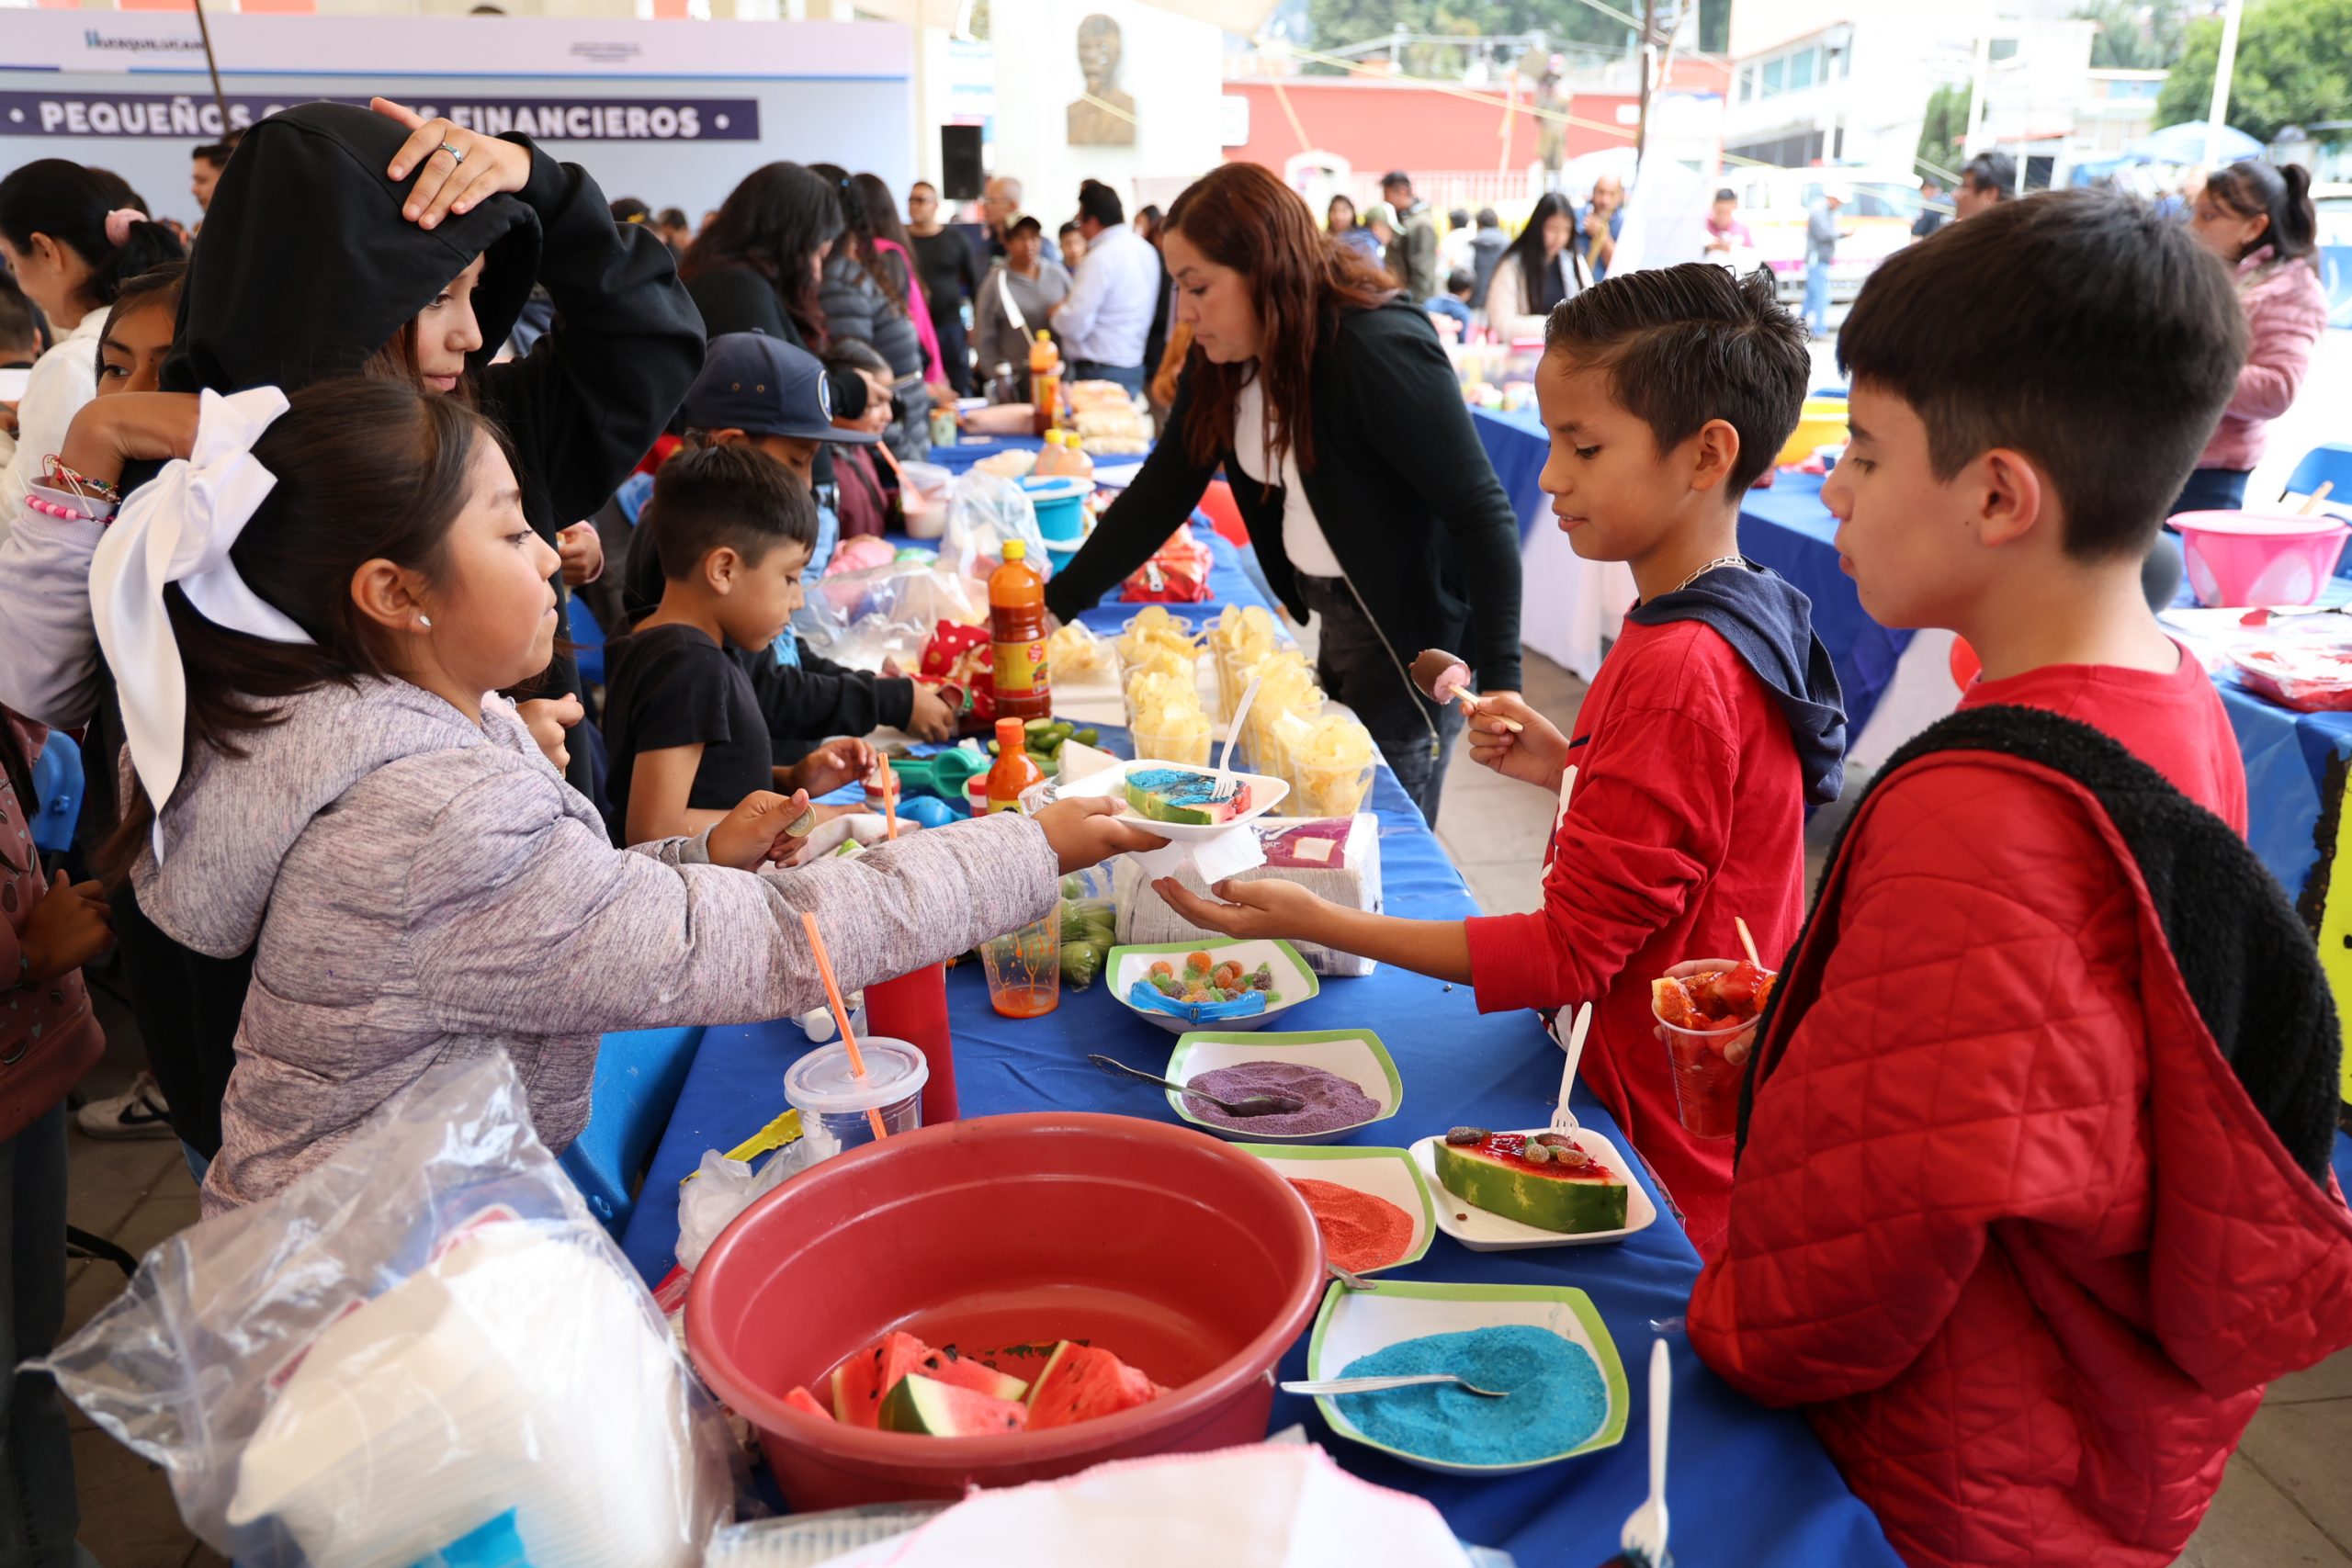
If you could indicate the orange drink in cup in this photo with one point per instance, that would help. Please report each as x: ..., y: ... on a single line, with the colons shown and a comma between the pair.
x: 1707, y: 1011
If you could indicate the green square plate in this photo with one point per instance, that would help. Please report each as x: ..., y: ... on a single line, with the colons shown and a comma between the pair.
x: 1355, y: 1054
x: 1387, y: 1173
x: 1354, y: 1324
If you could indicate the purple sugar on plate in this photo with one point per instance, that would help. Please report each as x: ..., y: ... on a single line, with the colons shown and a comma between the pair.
x: 1331, y: 1102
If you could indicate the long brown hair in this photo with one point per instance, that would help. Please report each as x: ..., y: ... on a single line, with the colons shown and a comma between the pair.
x: 366, y: 466
x: 775, y: 218
x: 1242, y: 216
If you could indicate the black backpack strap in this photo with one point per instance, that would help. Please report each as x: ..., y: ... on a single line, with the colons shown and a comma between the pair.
x: 2245, y: 956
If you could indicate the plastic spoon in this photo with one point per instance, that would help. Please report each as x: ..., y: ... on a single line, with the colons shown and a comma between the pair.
x: 1381, y: 1385
x: 1225, y: 786
x: 1248, y: 1105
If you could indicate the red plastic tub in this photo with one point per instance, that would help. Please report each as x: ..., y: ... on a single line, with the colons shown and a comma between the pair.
x: 1183, y: 1255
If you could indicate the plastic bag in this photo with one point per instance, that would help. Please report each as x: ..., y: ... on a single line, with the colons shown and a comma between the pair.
x: 723, y: 1188
x: 861, y: 618
x: 1177, y: 573
x: 424, y: 1332
x: 985, y: 512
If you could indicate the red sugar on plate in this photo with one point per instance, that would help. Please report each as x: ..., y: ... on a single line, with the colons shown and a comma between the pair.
x: 1360, y: 1231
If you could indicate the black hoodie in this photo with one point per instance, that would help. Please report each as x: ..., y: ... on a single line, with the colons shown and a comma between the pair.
x: 306, y: 268
x: 1770, y: 624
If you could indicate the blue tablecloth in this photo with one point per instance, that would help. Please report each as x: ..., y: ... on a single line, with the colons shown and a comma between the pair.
x: 963, y: 453
x: 1756, y: 1487
x: 1517, y: 445
x: 2287, y: 758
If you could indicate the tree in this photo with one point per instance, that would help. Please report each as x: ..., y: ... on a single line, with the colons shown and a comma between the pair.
x: 2294, y: 66
x: 1945, y: 129
x: 2134, y: 37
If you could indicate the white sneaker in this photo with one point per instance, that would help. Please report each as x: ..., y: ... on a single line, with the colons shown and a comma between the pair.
x: 137, y: 1112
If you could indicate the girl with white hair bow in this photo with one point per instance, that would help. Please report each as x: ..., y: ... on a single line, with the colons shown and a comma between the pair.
x: 308, y: 621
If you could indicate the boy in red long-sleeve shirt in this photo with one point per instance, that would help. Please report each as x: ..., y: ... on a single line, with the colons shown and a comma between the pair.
x: 1711, y: 723
x: 2033, y: 1197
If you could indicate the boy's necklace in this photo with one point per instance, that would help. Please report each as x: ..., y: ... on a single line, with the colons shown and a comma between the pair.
x: 1720, y: 562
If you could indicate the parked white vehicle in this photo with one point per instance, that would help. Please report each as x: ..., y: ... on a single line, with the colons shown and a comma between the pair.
x: 1876, y: 222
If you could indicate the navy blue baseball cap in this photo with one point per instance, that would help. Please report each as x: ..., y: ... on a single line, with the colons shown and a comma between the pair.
x: 764, y: 386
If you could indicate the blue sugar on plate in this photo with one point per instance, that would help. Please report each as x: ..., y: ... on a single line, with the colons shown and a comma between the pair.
x: 1555, y: 1396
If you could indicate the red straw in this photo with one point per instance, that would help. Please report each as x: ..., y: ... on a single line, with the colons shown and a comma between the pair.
x: 841, y: 1016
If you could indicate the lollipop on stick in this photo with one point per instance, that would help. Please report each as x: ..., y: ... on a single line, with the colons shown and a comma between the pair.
x: 1447, y: 679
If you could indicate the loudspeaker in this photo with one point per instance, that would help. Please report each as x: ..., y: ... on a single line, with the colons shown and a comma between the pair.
x: 959, y: 162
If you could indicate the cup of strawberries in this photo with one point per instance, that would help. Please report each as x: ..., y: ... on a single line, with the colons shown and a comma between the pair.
x: 1706, y: 1012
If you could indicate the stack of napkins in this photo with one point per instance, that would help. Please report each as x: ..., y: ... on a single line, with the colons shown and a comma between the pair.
x: 517, y: 1370
x: 1337, y: 857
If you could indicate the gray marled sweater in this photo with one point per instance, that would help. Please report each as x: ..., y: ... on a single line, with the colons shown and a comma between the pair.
x: 424, y: 890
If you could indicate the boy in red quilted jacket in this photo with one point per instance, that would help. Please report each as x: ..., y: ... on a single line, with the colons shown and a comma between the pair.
x: 2033, y: 1197
x: 1714, y: 719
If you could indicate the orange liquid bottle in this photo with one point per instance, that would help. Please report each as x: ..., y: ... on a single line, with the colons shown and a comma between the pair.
x: 1017, y: 627
x: 1014, y: 770
x: 1045, y: 385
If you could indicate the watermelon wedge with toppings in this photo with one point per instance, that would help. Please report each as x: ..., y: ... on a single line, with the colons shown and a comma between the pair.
x: 935, y: 1409
x: 1178, y: 795
x: 1571, y: 1195
x: 1082, y: 1382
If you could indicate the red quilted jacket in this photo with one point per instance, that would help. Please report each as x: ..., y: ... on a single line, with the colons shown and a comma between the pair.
x: 2006, y: 1220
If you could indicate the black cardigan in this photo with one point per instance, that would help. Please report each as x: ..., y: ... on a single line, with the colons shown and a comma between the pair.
x: 1401, y: 486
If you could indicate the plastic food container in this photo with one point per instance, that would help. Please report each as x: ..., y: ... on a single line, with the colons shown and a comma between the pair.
x: 1187, y: 1257
x: 1706, y: 1076
x: 1060, y: 500
x: 2258, y: 558
x: 924, y: 498
x: 1821, y: 424
x: 1024, y: 968
x: 832, y: 1103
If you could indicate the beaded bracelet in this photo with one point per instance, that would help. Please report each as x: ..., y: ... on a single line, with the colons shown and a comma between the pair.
x: 56, y: 470
x: 50, y: 509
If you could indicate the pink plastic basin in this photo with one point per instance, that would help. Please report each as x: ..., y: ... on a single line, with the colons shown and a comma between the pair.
x: 1179, y: 1253
x: 2258, y: 558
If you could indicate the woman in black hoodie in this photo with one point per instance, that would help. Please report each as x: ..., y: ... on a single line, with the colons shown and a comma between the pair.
x: 312, y: 266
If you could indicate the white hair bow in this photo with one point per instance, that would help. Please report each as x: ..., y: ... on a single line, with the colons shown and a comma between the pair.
x: 177, y: 527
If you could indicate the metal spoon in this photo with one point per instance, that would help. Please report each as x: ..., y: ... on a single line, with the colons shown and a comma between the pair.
x: 1248, y: 1105
x: 1378, y: 1385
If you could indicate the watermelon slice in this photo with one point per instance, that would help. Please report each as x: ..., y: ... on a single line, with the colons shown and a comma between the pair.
x: 1080, y: 1382
x: 800, y: 1399
x: 861, y: 1383
x: 1570, y: 1196
x: 1177, y: 795
x: 957, y: 1371
x: 935, y: 1409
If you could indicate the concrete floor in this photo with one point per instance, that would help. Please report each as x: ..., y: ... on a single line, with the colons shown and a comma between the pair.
x: 2277, y: 1507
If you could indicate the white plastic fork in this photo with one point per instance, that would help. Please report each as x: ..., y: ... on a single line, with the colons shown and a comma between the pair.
x: 1223, y: 789
x: 1642, y: 1541
x: 1563, y: 1121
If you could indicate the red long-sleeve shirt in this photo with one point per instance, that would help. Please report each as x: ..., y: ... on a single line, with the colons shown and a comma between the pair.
x: 1688, y: 810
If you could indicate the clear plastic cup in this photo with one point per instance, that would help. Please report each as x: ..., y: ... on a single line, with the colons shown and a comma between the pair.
x: 1192, y: 748
x: 1332, y: 791
x: 1707, y: 1064
x: 1024, y: 968
x: 832, y: 1102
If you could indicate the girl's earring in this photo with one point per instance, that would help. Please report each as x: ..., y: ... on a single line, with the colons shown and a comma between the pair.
x: 425, y: 621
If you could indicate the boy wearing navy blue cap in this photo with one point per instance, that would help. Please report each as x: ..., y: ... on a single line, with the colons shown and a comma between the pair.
x: 763, y: 392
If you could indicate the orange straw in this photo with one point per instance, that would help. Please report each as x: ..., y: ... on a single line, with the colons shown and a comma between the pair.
x: 1747, y: 940
x: 890, y: 797
x: 841, y: 1016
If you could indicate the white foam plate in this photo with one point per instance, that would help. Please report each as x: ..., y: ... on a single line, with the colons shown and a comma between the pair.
x: 1266, y: 792
x: 1485, y: 1230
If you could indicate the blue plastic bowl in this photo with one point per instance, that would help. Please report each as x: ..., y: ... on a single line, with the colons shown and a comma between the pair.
x: 1060, y: 500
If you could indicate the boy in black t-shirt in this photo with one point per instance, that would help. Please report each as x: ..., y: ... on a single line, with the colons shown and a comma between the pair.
x: 688, y: 740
